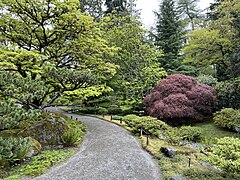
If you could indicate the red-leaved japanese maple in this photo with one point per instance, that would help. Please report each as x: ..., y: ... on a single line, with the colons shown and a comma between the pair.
x: 178, y: 98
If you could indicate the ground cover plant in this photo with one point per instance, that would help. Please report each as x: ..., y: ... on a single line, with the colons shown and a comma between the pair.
x: 228, y: 118
x: 32, y: 145
x: 40, y: 163
x: 200, y: 137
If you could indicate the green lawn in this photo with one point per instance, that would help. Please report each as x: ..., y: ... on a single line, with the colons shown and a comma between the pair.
x: 211, y: 132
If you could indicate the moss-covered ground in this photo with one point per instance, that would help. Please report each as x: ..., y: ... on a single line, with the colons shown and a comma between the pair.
x: 40, y: 163
x: 191, y: 165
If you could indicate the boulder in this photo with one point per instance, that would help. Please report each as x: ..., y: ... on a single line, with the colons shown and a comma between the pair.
x: 169, y: 151
x: 47, y: 131
x: 34, y: 149
x: 177, y: 178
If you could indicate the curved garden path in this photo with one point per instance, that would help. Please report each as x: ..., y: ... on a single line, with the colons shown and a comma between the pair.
x: 108, y: 152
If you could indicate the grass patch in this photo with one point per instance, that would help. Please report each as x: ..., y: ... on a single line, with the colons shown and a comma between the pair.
x: 211, y: 132
x: 40, y: 163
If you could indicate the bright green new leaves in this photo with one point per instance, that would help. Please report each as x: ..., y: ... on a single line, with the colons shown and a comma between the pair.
x: 136, y: 58
x: 49, y: 47
x: 207, y: 46
x: 226, y: 154
x: 89, y: 92
x: 218, y: 44
x: 21, y: 61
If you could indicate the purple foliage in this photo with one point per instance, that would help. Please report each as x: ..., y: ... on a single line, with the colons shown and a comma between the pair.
x: 180, y: 97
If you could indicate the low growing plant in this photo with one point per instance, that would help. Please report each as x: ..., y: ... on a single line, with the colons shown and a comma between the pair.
x: 228, y: 118
x: 40, y: 163
x: 226, y: 155
x: 148, y: 124
x: 13, y: 150
x: 72, y: 137
x: 190, y: 133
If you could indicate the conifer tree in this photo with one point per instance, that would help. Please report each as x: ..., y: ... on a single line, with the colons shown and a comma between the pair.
x: 169, y: 34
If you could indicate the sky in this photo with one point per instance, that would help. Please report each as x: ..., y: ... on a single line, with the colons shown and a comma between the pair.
x: 148, y: 6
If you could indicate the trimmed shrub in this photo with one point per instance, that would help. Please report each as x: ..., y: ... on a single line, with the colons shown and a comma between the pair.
x: 13, y: 150
x: 102, y: 111
x: 114, y: 111
x: 228, y: 118
x: 179, y: 98
x: 226, y: 154
x: 89, y: 110
x: 173, y: 136
x: 228, y: 94
x: 148, y: 124
x: 190, y: 133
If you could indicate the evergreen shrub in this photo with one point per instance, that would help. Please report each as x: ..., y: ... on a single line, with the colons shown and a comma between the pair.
x: 228, y: 93
x: 114, y: 111
x: 228, y: 118
x: 11, y: 115
x: 226, y: 154
x: 190, y: 133
x: 148, y: 124
x: 13, y: 150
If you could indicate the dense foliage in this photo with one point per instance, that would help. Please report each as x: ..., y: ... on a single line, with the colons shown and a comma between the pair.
x: 147, y: 124
x: 206, y: 79
x: 191, y: 133
x: 217, y: 43
x: 11, y: 115
x: 179, y: 98
x: 228, y: 118
x: 169, y: 33
x: 49, y: 51
x: 138, y: 69
x: 226, y: 155
x: 13, y: 150
x: 228, y: 94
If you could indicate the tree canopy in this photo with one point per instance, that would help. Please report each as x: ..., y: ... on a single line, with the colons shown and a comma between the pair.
x: 169, y: 34
x: 47, y: 48
x: 218, y: 43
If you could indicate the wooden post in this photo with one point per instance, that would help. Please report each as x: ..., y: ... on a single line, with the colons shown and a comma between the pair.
x: 141, y: 132
x: 189, y: 162
x: 147, y: 139
x: 111, y: 118
x: 120, y: 121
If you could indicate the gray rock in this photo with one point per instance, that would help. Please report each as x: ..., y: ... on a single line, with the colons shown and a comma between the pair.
x: 169, y: 151
x: 47, y: 132
x: 177, y: 178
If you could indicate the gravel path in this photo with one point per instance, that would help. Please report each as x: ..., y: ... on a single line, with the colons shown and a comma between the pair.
x: 108, y: 152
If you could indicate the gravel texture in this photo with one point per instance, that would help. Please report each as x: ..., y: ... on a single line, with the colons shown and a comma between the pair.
x: 108, y: 152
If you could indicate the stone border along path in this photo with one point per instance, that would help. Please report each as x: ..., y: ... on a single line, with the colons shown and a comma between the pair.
x: 108, y: 152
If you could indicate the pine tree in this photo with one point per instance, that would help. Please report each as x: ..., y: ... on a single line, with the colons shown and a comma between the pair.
x: 93, y: 7
x: 190, y: 12
x: 115, y: 5
x: 169, y: 34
